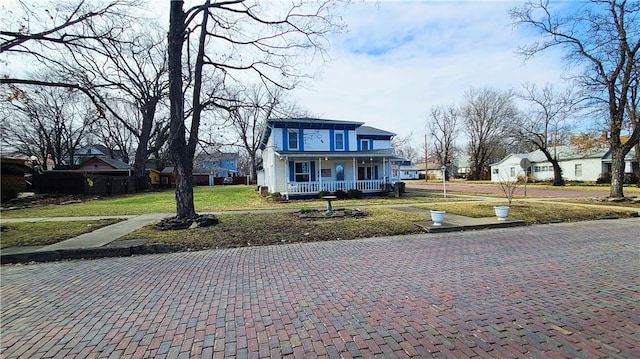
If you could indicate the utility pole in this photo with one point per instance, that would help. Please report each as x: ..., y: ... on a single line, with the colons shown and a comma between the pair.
x: 426, y: 161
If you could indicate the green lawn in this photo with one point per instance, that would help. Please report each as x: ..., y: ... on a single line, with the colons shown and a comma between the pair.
x: 272, y: 228
x: 44, y: 233
x: 533, y: 212
x: 207, y: 199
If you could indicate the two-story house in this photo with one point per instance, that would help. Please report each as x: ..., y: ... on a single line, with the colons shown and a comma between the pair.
x: 304, y: 156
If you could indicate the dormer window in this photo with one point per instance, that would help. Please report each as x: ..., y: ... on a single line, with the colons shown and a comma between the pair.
x: 293, y: 139
x: 364, y: 145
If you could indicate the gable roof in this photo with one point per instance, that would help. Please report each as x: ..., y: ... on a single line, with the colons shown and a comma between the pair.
x: 563, y: 153
x: 115, y: 164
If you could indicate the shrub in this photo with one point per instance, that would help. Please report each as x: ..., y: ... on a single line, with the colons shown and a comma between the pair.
x: 323, y: 193
x: 277, y: 196
x: 604, y: 178
x: 340, y: 194
x: 354, y: 194
x: 631, y: 178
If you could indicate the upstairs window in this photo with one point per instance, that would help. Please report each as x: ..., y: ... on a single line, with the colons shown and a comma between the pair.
x: 364, y: 145
x: 339, y: 141
x: 293, y: 139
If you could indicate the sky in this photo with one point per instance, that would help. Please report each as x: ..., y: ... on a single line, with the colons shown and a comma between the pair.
x: 398, y: 59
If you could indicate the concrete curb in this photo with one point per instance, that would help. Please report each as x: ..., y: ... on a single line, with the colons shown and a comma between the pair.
x: 87, y: 253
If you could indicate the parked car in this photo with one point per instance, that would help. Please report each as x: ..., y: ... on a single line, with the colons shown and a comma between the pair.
x: 227, y: 180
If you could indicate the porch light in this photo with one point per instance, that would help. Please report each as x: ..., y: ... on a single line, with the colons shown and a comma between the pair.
x: 326, y: 158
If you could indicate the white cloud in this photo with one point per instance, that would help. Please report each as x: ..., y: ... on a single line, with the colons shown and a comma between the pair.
x: 399, y: 59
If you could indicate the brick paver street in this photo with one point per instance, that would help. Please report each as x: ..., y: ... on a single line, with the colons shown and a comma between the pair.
x: 562, y: 290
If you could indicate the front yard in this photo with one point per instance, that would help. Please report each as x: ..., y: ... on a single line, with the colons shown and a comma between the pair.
x: 249, y: 229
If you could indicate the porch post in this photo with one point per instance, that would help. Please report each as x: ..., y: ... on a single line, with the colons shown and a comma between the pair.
x: 286, y: 179
x: 355, y: 173
x: 320, y: 173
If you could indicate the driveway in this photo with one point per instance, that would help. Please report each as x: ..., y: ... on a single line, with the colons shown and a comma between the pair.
x: 561, y: 192
x: 562, y: 290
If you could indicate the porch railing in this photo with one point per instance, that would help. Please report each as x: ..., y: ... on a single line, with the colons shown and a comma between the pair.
x: 332, y: 186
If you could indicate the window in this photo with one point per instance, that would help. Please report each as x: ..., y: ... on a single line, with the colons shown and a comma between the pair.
x: 303, y: 171
x: 325, y: 172
x: 512, y: 171
x: 339, y: 141
x: 293, y: 139
x: 496, y: 171
x: 364, y: 173
x: 578, y: 169
x: 364, y: 145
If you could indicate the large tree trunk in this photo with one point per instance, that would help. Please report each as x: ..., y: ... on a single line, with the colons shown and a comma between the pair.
x: 617, y: 172
x: 142, y: 152
x: 185, y: 208
x: 557, y: 171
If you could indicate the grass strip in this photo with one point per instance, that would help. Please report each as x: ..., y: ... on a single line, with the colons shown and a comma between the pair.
x: 44, y: 233
x: 239, y: 230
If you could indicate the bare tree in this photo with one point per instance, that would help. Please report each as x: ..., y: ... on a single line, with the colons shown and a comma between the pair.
x: 602, y: 40
x: 548, y: 114
x: 403, y: 147
x: 234, y: 38
x: 129, y: 79
x: 487, y: 115
x: 443, y: 129
x: 50, y: 123
x: 37, y: 32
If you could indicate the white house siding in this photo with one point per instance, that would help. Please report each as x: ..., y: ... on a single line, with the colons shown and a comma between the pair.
x: 377, y: 144
x: 508, y: 169
x: 591, y: 167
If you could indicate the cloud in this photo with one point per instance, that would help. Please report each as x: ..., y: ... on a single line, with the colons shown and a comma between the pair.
x: 398, y: 59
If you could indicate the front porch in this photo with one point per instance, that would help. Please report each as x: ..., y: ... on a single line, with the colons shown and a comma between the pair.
x: 315, y: 187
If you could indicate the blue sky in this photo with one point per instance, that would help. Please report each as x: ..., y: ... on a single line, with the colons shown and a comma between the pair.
x: 398, y: 59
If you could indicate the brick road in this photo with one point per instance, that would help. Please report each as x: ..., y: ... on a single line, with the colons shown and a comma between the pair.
x: 562, y: 290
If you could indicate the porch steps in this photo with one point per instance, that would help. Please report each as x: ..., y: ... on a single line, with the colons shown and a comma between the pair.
x: 457, y: 223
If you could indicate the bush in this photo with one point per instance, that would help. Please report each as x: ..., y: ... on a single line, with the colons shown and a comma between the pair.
x: 354, y: 194
x: 402, y: 187
x: 340, y: 194
x: 277, y: 196
x: 604, y: 178
x: 323, y: 193
x: 631, y: 178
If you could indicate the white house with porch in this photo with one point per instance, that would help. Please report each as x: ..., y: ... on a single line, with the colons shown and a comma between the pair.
x: 304, y: 156
x: 576, y: 164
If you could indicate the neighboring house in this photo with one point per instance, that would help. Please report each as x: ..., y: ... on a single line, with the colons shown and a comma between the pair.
x: 434, y: 171
x: 218, y: 164
x: 576, y: 165
x: 210, y: 169
x: 408, y: 171
x: 97, y: 165
x: 304, y: 156
x: 102, y: 151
